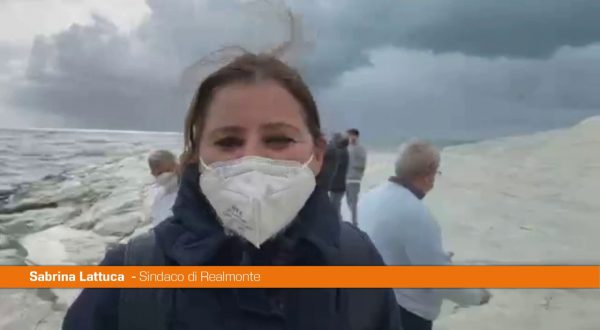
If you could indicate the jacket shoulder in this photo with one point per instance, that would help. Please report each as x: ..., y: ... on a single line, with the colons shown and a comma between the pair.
x: 115, y: 256
x: 97, y: 309
x: 367, y: 308
x: 142, y: 250
x: 356, y: 248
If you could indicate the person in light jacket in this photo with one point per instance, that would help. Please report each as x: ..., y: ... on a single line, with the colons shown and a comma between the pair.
x: 163, y: 166
x: 405, y: 233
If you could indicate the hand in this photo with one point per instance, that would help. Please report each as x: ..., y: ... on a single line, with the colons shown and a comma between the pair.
x: 486, y: 296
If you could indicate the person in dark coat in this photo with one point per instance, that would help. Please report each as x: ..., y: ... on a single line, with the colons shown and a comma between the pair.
x: 250, y: 121
x: 330, y: 163
x: 337, y: 189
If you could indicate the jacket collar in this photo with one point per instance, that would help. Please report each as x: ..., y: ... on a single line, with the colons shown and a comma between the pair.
x: 410, y: 187
x: 194, y: 236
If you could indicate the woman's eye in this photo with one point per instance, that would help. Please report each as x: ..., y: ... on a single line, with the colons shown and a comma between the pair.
x: 279, y: 141
x: 229, y: 142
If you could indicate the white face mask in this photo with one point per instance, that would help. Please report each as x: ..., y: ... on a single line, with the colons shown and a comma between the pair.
x: 256, y: 197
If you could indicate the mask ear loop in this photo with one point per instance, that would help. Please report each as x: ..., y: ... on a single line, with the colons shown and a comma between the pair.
x: 312, y: 157
x: 203, y: 166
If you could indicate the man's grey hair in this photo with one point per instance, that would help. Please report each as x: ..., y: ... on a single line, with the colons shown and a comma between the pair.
x: 417, y: 158
x: 160, y: 158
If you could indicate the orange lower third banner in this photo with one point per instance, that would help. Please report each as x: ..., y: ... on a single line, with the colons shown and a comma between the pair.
x: 301, y: 277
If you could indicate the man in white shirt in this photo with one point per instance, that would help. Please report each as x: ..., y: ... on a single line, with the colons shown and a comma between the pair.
x: 164, y: 168
x: 405, y: 233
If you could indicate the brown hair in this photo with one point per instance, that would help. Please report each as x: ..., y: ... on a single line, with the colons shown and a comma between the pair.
x: 246, y: 68
x: 353, y: 131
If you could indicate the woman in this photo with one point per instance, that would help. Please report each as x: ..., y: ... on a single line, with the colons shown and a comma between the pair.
x: 253, y: 146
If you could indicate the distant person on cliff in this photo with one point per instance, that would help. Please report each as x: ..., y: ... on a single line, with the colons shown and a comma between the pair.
x: 164, y: 168
x: 356, y: 169
x: 405, y: 232
x: 337, y: 189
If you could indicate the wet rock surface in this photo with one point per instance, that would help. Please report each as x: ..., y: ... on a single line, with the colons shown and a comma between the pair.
x: 64, y: 197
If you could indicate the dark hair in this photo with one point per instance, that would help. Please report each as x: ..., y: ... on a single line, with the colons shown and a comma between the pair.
x: 353, y: 131
x: 246, y: 68
x: 343, y: 143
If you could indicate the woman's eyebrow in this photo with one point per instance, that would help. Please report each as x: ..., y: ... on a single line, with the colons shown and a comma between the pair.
x: 279, y: 126
x: 226, y: 130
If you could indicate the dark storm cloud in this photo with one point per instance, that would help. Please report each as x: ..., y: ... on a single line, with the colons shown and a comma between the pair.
x: 95, y: 76
x: 8, y: 54
x: 464, y: 97
x: 486, y: 28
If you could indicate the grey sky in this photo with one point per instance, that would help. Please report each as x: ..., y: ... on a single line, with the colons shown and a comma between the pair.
x: 435, y: 68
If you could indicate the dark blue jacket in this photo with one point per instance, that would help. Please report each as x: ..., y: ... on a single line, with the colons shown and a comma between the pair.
x: 338, y: 182
x: 328, y: 170
x: 193, y: 237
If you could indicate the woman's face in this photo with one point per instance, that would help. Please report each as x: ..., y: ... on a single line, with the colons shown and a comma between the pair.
x: 261, y: 119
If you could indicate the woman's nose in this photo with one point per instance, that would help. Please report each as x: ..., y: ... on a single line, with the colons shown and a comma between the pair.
x: 254, y: 147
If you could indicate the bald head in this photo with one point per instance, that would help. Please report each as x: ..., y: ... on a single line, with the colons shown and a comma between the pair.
x: 162, y: 161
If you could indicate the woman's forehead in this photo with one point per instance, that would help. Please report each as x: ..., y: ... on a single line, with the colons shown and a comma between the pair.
x: 266, y: 104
